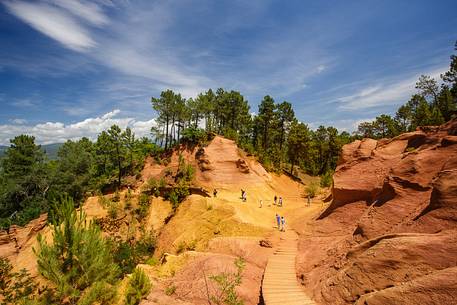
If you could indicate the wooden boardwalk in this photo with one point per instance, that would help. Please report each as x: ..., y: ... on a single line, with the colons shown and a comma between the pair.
x: 279, y: 285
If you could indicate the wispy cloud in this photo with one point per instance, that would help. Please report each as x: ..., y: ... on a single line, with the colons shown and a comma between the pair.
x: 86, y: 10
x: 60, y: 21
x: 384, y: 93
x: 25, y: 103
x: 58, y: 132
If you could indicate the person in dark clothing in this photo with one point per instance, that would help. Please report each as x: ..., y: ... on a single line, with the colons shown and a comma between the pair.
x: 275, y: 199
x: 215, y: 193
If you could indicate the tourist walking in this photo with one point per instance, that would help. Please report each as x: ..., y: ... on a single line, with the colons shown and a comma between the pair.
x: 283, y: 224
x: 278, y: 221
x: 276, y: 198
x: 280, y: 201
x: 215, y: 193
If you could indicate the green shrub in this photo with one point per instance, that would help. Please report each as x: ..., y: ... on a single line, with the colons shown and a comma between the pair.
x: 137, y: 288
x: 103, y: 201
x: 15, y: 287
x: 193, y: 135
x: 78, y: 259
x: 116, y: 196
x: 146, y: 245
x: 152, y: 261
x: 327, y: 179
x: 113, y: 210
x: 143, y: 199
x: 170, y: 290
x: 162, y: 182
x: 312, y: 189
x: 227, y: 283
x: 125, y: 256
x: 186, y: 246
x: 143, y: 205
x: 173, y: 198
x: 152, y: 186
x: 100, y: 293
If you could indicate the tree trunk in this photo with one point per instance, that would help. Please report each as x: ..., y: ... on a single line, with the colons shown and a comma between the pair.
x: 292, y: 163
x: 166, y: 132
x: 119, y: 166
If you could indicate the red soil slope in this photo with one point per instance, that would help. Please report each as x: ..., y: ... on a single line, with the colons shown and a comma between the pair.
x: 390, y: 234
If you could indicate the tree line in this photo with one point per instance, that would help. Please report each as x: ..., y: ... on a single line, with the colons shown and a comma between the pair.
x: 433, y: 104
x: 29, y: 182
x: 274, y: 134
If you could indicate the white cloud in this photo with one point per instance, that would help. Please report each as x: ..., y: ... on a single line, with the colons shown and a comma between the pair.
x: 348, y: 125
x: 56, y: 22
x: 393, y: 92
x: 18, y: 121
x: 24, y: 103
x: 88, y: 11
x: 57, y: 132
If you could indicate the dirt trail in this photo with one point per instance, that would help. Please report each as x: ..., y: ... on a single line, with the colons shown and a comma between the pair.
x: 279, y: 285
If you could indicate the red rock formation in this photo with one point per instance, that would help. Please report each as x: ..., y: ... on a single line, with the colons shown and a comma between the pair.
x: 393, y: 219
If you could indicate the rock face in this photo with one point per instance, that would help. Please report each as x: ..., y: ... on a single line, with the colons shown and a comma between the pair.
x: 394, y: 222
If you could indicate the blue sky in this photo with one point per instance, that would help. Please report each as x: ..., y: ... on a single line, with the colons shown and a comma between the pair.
x: 69, y: 68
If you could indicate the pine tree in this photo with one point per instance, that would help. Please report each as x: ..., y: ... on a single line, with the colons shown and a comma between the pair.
x: 79, y: 260
x: 138, y: 287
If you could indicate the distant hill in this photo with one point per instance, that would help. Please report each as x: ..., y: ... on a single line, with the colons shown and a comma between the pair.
x: 50, y: 150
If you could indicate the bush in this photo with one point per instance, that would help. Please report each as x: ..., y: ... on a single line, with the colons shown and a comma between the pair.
x: 103, y: 201
x: 173, y: 198
x: 170, y: 290
x: 125, y: 256
x: 185, y: 246
x: 227, y: 283
x: 312, y: 189
x: 112, y: 210
x: 116, y: 196
x: 128, y: 254
x: 152, y: 186
x: 143, y: 206
x: 152, y: 261
x: 194, y: 136
x: 15, y: 287
x: 146, y: 245
x: 79, y: 259
x: 185, y: 171
x: 137, y: 288
x: 143, y: 199
x: 327, y: 179
x: 100, y: 293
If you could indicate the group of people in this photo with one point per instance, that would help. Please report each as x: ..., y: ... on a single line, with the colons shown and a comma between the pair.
x: 276, y: 202
x: 281, y: 223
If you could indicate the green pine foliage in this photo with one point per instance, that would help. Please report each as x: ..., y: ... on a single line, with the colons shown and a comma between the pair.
x: 327, y: 179
x: 15, y: 287
x: 138, y: 287
x: 24, y: 182
x: 312, y: 189
x: 78, y: 262
x: 226, y: 283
